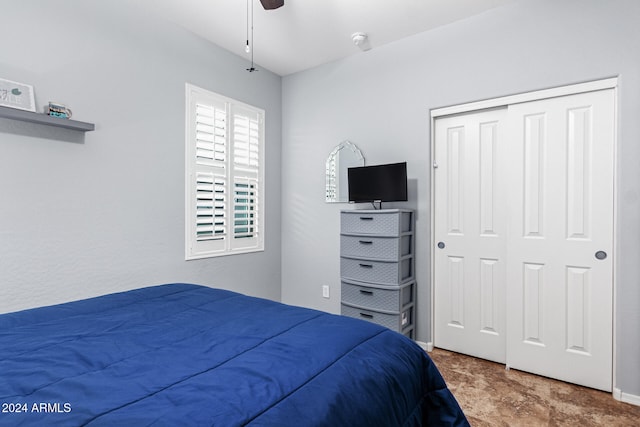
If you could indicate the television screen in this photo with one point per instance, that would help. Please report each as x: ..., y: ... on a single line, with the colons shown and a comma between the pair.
x: 378, y: 183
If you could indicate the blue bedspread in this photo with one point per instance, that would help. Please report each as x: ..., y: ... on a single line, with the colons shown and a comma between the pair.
x: 182, y: 354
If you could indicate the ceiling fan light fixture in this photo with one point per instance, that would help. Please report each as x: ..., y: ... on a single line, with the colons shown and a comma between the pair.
x: 272, y: 4
x: 248, y: 47
x: 266, y: 4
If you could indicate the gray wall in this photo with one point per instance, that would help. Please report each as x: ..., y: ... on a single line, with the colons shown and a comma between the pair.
x: 83, y: 215
x: 380, y: 100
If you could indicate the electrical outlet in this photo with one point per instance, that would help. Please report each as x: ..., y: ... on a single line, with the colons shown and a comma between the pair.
x: 325, y: 291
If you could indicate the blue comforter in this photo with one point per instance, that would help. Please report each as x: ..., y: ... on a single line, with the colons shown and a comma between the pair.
x: 184, y: 354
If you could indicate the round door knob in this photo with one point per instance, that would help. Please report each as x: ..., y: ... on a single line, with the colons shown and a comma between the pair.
x: 601, y: 255
x: 441, y: 245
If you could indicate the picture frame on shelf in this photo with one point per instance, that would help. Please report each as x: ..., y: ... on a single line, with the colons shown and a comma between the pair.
x: 17, y: 95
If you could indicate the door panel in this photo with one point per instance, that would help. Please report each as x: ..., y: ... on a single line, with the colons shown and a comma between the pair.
x: 469, y: 269
x: 559, y: 298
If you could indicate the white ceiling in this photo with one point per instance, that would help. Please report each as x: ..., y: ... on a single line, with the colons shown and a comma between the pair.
x: 305, y: 33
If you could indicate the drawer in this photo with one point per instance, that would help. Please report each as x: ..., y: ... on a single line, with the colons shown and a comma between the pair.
x: 391, y: 223
x: 377, y: 272
x: 389, y: 248
x: 396, y: 322
x: 376, y: 298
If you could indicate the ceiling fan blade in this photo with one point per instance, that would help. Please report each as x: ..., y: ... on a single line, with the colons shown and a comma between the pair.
x: 272, y: 4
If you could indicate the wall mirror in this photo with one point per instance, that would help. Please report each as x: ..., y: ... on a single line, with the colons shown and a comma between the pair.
x: 344, y: 156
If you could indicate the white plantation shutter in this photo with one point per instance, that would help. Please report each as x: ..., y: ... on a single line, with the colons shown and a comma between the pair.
x: 245, y: 209
x: 211, y: 223
x: 246, y: 166
x: 224, y: 146
x: 246, y: 146
x: 211, y: 129
x: 210, y: 157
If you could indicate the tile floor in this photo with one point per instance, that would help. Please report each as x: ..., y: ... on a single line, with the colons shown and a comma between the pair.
x: 490, y: 395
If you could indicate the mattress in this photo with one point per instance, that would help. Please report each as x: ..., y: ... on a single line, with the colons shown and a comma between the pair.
x: 183, y: 354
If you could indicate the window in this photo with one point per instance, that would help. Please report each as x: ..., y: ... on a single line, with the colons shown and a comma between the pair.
x: 224, y: 175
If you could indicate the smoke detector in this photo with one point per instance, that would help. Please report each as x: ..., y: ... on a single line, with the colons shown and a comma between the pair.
x: 360, y: 40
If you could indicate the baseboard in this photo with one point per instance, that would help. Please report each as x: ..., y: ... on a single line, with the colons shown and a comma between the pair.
x: 626, y: 397
x: 426, y: 346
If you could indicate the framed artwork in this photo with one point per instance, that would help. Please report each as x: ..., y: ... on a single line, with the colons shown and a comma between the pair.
x: 17, y: 95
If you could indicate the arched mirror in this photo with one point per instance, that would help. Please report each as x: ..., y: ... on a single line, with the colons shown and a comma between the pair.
x: 346, y: 155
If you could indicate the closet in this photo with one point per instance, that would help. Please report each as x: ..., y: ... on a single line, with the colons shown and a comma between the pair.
x: 523, y: 232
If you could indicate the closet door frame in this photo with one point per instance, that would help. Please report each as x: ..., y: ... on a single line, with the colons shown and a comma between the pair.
x: 608, y: 83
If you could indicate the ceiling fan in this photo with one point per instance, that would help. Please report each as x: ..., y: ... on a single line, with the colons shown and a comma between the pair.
x: 272, y: 4
x: 267, y: 5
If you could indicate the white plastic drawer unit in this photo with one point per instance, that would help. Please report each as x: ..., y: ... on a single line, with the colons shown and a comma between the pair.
x: 377, y: 267
x: 391, y: 222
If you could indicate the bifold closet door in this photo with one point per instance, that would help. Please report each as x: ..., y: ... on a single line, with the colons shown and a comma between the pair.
x: 523, y: 233
x: 560, y: 243
x: 470, y: 232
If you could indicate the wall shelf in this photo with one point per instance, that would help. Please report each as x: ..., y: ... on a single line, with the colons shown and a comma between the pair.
x: 43, y: 119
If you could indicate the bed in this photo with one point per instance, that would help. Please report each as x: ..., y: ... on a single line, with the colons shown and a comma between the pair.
x: 183, y: 354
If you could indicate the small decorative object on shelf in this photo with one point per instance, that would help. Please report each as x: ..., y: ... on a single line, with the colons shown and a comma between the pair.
x: 55, y: 109
x: 17, y: 95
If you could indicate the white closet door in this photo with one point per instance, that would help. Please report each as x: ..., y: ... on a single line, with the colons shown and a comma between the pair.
x: 559, y: 293
x: 523, y: 233
x: 470, y: 227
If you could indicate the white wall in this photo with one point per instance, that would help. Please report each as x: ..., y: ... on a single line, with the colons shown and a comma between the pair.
x: 83, y: 215
x: 380, y: 100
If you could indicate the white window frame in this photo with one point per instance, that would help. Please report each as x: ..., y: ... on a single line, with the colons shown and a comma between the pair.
x: 224, y: 179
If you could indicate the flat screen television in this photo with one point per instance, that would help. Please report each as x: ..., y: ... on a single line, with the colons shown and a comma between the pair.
x: 378, y: 183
